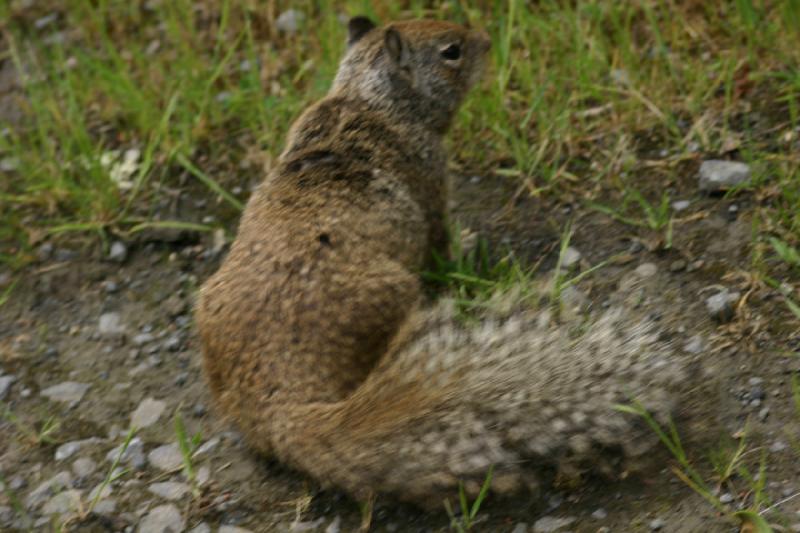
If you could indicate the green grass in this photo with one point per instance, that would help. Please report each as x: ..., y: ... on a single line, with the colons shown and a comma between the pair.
x: 42, y: 433
x: 595, y: 98
x: 468, y: 512
x: 473, y: 274
x: 732, y: 470
x: 188, y: 446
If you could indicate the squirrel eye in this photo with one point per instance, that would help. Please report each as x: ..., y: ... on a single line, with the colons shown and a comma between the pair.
x: 452, y: 52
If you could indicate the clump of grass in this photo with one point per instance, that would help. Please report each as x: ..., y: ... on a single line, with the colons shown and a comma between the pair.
x: 16, y: 504
x: 472, y: 276
x: 727, y: 463
x: 41, y: 434
x: 188, y: 446
x: 465, y: 521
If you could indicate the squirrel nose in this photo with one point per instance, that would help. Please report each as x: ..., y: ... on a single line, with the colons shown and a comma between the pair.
x: 484, y: 41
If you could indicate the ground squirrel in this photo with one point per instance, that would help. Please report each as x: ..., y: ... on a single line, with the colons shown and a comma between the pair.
x: 316, y: 336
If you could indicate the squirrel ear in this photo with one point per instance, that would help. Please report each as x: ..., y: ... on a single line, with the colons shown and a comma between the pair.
x: 357, y: 28
x: 396, y: 46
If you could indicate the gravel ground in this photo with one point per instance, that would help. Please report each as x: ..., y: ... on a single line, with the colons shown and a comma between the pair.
x: 92, y: 343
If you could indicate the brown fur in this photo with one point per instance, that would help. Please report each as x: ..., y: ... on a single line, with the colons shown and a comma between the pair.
x: 316, y: 341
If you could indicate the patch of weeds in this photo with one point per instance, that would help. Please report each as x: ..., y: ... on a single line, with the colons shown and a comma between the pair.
x: 6, y: 294
x: 466, y: 520
x: 43, y: 433
x: 472, y: 276
x: 16, y: 504
x: 653, y: 216
x: 85, y: 512
x: 188, y: 446
x: 561, y: 277
x: 726, y: 464
x: 788, y: 254
x: 366, y: 508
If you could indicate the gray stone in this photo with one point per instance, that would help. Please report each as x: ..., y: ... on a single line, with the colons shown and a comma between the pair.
x: 234, y: 529
x: 106, y: 507
x: 677, y: 265
x: 68, y: 449
x: 721, y: 305
x: 657, y: 523
x: 63, y: 503
x: 289, y: 21
x: 646, y: 270
x: 167, y: 457
x: 778, y: 446
x: 203, y: 474
x: 680, y: 205
x: 44, y: 251
x: 134, y: 454
x: 695, y: 345
x: 726, y: 497
x: 110, y: 286
x: 207, y: 447
x: 83, y: 466
x: 110, y: 325
x: 142, y: 338
x: 163, y: 519
x: 521, y: 527
x: 599, y: 514
x: 309, y: 525
x: 173, y: 343
x: 717, y: 175
x: 549, y: 524
x: 570, y: 257
x: 101, y: 491
x: 202, y: 527
x: 118, y: 252
x: 69, y: 392
x: 763, y: 414
x: 169, y: 490
x: 148, y: 413
x: 334, y: 527
x: 48, y: 488
x: 5, y: 386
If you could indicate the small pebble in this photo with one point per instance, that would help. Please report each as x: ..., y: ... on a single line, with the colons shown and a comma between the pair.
x: 148, y: 413
x: 169, y: 490
x: 5, y: 386
x: 110, y: 325
x: 657, y: 524
x: 677, y: 265
x: 162, y: 519
x: 134, y: 454
x: 570, y: 257
x: 721, y: 305
x: 118, y: 252
x: 726, y: 498
x: 167, y: 457
x: 719, y: 175
x: 83, y: 466
x: 67, y: 392
x: 550, y: 524
x: 600, y: 514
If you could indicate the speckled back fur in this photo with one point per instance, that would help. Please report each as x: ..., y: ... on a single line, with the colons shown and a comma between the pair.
x: 316, y: 340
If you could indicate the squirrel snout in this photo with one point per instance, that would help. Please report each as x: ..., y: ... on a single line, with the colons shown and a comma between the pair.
x: 483, y: 40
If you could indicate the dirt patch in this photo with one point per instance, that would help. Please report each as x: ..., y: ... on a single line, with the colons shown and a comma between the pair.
x: 125, y: 330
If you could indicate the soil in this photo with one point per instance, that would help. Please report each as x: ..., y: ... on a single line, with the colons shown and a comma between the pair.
x: 51, y: 333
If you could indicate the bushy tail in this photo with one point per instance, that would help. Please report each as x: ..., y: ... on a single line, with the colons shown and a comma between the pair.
x: 449, y: 401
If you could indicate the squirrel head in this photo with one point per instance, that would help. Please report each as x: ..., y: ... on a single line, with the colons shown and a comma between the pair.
x: 418, y: 71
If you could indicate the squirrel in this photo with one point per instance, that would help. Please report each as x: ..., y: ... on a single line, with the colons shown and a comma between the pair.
x: 319, y: 343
